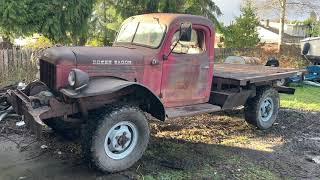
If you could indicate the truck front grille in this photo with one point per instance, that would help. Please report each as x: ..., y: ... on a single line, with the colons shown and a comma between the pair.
x: 48, y: 74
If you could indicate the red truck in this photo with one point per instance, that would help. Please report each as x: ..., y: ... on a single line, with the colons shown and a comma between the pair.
x: 160, y: 64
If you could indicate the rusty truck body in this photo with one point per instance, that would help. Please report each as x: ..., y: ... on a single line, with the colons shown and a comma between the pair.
x: 160, y: 64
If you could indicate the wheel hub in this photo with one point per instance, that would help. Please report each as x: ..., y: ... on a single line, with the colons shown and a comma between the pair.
x: 121, y: 140
x: 266, y: 109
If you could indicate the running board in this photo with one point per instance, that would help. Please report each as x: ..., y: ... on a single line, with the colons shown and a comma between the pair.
x: 191, y: 110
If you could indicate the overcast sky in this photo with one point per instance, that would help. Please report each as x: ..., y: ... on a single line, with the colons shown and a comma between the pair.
x: 231, y: 9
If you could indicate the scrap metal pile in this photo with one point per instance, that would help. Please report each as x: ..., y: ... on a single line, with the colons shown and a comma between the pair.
x: 311, y: 77
x: 5, y: 106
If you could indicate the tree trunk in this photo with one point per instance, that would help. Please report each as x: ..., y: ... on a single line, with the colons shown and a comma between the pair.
x: 105, y: 22
x: 283, y: 5
x: 82, y: 41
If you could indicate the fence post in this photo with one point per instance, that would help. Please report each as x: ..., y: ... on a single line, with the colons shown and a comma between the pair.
x: 1, y: 63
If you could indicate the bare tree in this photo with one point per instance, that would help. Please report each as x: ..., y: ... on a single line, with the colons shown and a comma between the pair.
x: 281, y: 7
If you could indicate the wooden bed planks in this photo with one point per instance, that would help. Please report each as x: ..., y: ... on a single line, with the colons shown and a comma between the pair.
x: 244, y: 73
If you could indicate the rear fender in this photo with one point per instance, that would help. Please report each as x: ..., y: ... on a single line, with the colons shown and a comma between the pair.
x: 103, y: 86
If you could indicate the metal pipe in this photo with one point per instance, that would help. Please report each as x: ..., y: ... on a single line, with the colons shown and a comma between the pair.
x: 6, y: 113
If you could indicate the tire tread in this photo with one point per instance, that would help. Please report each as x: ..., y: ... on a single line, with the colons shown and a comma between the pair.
x: 252, y: 106
x: 96, y: 119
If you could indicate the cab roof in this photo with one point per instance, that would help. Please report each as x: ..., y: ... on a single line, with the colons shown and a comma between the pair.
x: 171, y: 18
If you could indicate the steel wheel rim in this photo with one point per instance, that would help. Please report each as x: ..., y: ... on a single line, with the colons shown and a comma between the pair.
x: 121, y: 140
x: 266, y: 109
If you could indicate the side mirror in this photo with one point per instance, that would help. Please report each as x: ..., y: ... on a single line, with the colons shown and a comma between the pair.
x: 185, y: 31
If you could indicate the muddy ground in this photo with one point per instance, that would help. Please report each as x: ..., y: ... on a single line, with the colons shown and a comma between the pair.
x: 211, y: 146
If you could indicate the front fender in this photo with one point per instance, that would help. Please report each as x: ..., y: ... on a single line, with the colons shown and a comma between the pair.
x: 98, y: 86
x: 108, y: 85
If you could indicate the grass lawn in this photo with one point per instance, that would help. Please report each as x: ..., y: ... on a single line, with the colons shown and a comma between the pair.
x: 306, y: 98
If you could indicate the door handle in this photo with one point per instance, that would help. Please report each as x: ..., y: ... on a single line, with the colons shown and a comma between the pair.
x: 154, y: 62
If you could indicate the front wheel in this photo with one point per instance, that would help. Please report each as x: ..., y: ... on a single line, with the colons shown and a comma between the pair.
x: 262, y: 110
x: 116, y: 138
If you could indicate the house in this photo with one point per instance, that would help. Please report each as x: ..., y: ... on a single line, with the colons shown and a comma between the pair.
x: 293, y: 33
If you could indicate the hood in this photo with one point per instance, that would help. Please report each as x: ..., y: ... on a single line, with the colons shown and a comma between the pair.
x: 92, y: 56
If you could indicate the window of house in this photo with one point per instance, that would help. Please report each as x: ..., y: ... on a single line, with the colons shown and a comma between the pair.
x: 195, y: 46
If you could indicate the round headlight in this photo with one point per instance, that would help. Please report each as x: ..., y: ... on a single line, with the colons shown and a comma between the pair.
x: 72, y: 78
x: 78, y: 79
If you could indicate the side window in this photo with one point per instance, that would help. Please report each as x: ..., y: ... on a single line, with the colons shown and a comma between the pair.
x: 195, y: 46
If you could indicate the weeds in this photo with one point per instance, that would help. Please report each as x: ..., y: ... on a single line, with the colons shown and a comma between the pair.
x: 25, y: 72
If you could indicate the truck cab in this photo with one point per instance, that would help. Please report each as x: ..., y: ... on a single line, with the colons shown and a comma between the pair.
x: 184, y: 76
x: 160, y: 64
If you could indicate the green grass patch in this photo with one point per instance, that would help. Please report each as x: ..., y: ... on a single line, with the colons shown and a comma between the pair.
x: 205, y: 172
x: 306, y: 98
x: 248, y: 170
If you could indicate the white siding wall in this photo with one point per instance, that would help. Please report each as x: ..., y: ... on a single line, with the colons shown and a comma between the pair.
x: 291, y: 29
x: 267, y: 36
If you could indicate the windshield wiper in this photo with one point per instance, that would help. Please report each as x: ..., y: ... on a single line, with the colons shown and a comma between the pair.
x: 124, y: 46
x: 134, y: 36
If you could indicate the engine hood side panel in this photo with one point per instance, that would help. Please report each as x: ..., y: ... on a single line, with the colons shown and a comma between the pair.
x: 93, y: 55
x: 107, y: 56
x: 123, y: 63
x: 120, y: 62
x: 59, y: 55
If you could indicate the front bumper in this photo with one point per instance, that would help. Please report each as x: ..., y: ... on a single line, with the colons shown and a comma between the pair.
x: 22, y: 105
x: 34, y: 114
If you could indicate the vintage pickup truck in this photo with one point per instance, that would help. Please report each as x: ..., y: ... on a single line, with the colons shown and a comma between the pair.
x: 160, y: 64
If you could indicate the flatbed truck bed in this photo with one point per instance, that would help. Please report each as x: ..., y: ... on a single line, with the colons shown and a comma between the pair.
x: 244, y: 74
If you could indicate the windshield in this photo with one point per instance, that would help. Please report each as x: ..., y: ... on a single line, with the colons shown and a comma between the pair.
x: 142, y: 33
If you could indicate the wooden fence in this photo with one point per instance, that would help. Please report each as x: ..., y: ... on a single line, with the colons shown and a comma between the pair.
x: 16, y: 65
x: 222, y: 53
x: 14, y: 58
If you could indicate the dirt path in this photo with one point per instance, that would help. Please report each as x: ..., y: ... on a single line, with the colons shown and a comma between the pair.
x: 209, y: 146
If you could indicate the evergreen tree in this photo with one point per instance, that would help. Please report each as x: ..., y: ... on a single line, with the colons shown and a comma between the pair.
x: 104, y: 23
x: 75, y: 21
x: 243, y: 33
x: 314, y: 25
x: 59, y: 20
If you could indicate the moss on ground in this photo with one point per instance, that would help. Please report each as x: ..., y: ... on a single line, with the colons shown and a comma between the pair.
x: 176, y: 159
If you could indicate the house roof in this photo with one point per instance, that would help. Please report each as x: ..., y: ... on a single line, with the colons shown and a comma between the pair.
x: 287, y: 37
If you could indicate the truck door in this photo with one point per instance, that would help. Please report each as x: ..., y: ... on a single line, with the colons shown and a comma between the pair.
x: 185, y: 74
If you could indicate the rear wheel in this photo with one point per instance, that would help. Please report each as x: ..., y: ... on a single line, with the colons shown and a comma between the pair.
x: 262, y: 110
x: 116, y: 138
